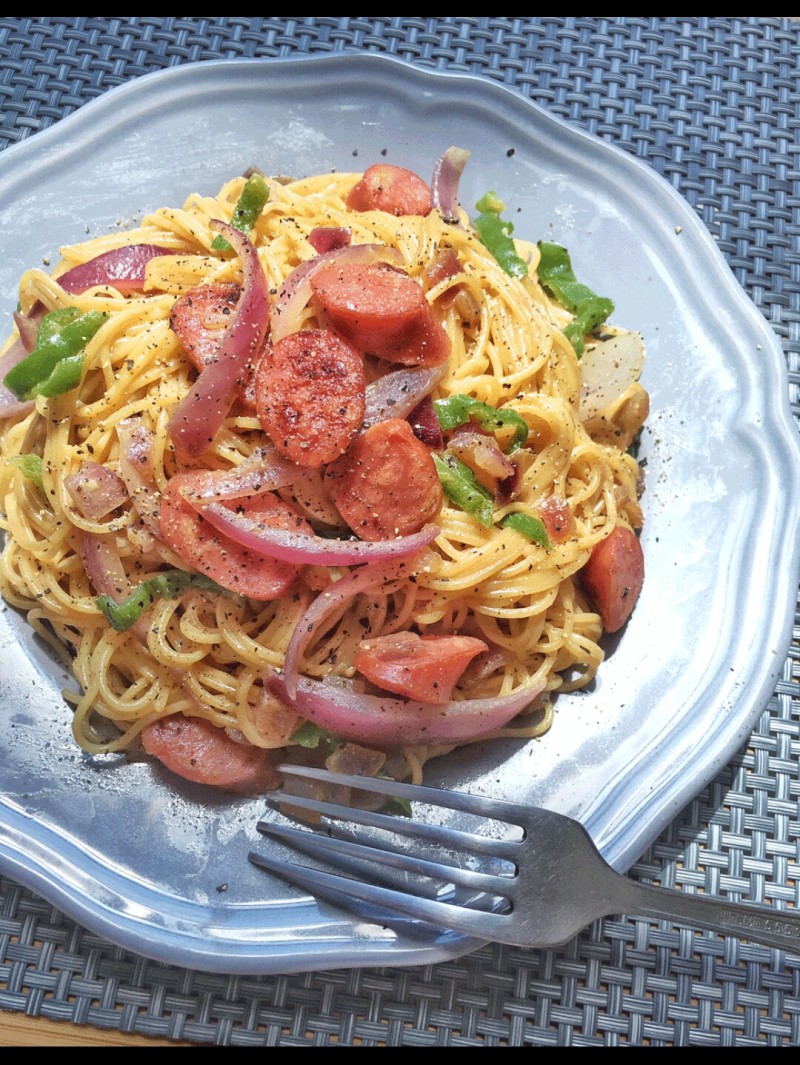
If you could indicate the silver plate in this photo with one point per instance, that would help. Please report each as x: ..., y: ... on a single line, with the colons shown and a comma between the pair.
x: 161, y: 868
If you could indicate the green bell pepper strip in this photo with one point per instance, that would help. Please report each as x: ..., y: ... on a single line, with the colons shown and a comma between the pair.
x: 495, y: 234
x: 311, y: 736
x: 458, y: 409
x: 529, y: 526
x: 169, y: 585
x: 66, y: 375
x: 557, y: 276
x: 461, y: 487
x: 396, y: 807
x: 245, y: 214
x: 62, y: 336
x: 30, y: 466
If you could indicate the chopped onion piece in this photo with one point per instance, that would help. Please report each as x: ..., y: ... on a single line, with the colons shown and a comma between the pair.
x: 96, y: 490
x: 138, y: 471
x: 379, y: 721
x: 480, y: 452
x: 309, y: 494
x: 103, y: 565
x: 329, y: 238
x: 28, y: 326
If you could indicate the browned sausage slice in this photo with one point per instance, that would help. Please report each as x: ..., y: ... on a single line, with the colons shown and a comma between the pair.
x: 385, y: 485
x: 613, y: 577
x: 394, y: 189
x: 310, y: 395
x: 423, y: 668
x: 199, y: 318
x: 196, y: 750
x: 381, y: 311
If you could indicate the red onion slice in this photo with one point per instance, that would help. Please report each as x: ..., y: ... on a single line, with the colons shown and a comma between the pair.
x: 425, y: 425
x: 295, y: 292
x: 382, y: 721
x: 96, y: 490
x: 28, y: 326
x: 302, y: 549
x: 481, y: 452
x: 446, y: 176
x: 262, y: 471
x: 199, y: 415
x: 138, y: 471
x: 396, y: 394
x: 343, y: 590
x: 103, y: 566
x: 9, y: 404
x: 310, y: 496
x: 329, y: 238
x: 121, y: 268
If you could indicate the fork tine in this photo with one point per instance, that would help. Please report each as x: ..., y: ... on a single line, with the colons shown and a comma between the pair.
x: 372, y: 857
x: 403, y: 826
x: 497, y: 809
x: 343, y: 889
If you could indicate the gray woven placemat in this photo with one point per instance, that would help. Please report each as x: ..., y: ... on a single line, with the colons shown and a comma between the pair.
x: 713, y: 104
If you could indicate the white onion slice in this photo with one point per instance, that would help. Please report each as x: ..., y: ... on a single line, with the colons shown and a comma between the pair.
x: 608, y: 368
x: 383, y: 721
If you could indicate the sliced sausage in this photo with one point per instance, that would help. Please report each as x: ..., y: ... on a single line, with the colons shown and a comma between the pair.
x: 422, y: 668
x: 210, y: 552
x: 385, y: 485
x: 613, y: 577
x: 381, y: 311
x: 196, y: 750
x: 394, y: 189
x: 199, y: 318
x: 310, y: 395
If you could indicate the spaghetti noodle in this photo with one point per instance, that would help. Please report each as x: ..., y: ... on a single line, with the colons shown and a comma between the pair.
x: 109, y: 463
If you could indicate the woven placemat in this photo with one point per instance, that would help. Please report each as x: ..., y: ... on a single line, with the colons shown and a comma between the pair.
x: 712, y: 104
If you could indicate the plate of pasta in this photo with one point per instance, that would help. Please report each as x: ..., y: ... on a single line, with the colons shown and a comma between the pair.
x: 323, y: 441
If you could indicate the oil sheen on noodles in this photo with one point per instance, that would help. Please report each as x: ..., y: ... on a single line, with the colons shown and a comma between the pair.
x: 204, y: 654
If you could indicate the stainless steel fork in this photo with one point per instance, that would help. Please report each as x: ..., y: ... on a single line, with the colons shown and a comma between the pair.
x: 527, y: 876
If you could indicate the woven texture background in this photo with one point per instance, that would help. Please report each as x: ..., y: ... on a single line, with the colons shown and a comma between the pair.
x: 712, y: 104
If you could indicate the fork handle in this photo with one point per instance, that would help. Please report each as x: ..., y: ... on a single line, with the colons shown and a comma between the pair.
x: 763, y: 924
